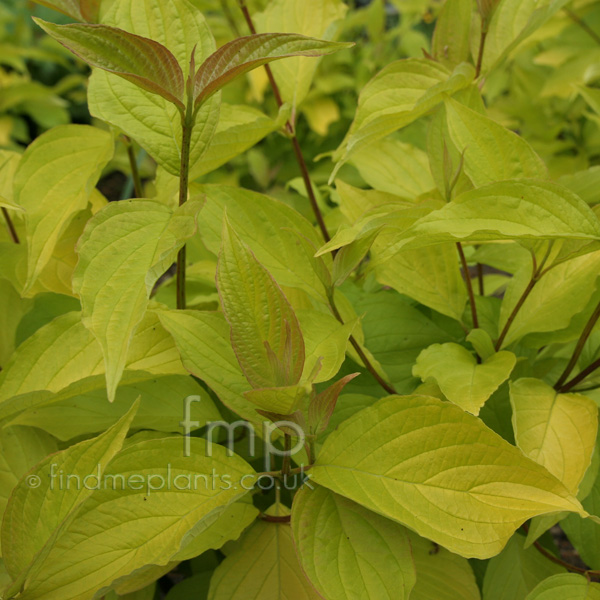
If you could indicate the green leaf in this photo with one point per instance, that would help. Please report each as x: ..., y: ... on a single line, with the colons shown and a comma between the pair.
x: 218, y: 528
x: 156, y: 498
x: 37, y: 513
x: 14, y: 308
x: 138, y: 59
x: 559, y: 296
x: 567, y: 586
x: 265, y: 333
x: 278, y: 400
x: 65, y: 351
x: 583, y: 533
x: 507, y: 210
x: 435, y: 565
x: 516, y: 571
x: 21, y: 449
x: 9, y: 161
x: 392, y: 166
x: 429, y: 275
x: 240, y: 127
x: 395, y: 348
x: 264, y: 224
x: 349, y: 552
x: 325, y: 341
x: 203, y: 339
x: 262, y: 565
x: 398, y: 95
x: 546, y: 424
x: 53, y: 182
x: 401, y: 456
x: 150, y: 120
x: 461, y: 378
x: 513, y: 21
x: 124, y: 249
x: 451, y: 37
x: 82, y: 408
x: 491, y: 152
x: 314, y: 18
x: 247, y: 53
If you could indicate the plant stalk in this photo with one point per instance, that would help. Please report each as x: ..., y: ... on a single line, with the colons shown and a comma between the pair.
x: 587, y: 572
x: 292, y: 134
x: 515, y: 312
x: 382, y: 382
x: 579, y: 378
x: 536, y: 274
x: 469, y: 285
x: 135, y: 173
x: 576, y: 19
x: 11, y: 227
x: 187, y: 125
x: 585, y: 334
x: 481, y: 49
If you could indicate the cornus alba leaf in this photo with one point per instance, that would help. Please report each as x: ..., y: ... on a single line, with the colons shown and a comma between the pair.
x: 154, y: 68
x: 80, y: 10
x: 248, y: 53
x: 145, y: 62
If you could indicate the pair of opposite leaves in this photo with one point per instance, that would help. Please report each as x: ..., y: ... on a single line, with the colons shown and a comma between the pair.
x: 155, y: 69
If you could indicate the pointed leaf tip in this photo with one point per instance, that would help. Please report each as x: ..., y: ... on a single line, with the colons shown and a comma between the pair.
x: 140, y: 60
x: 247, y: 53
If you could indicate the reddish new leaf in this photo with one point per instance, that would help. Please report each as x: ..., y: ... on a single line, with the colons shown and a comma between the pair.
x: 322, y: 405
x: 248, y: 53
x: 145, y: 62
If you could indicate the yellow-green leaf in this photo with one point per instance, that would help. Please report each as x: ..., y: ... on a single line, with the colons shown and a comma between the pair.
x: 491, y: 152
x: 9, y: 161
x: 53, y: 182
x: 502, y: 211
x: 266, y: 225
x: 149, y: 119
x: 429, y: 275
x: 451, y: 37
x: 440, y: 471
x: 65, y: 351
x: 461, y: 378
x: 567, y: 586
x: 262, y: 565
x: 37, y: 512
x: 21, y: 448
x: 155, y: 498
x: 124, y: 249
x: 435, y: 565
x: 314, y: 18
x: 348, y: 552
x: 265, y: 333
x: 239, y: 128
x: 556, y: 430
x: 82, y: 408
x: 398, y: 95
x: 516, y: 571
x: 203, y: 339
